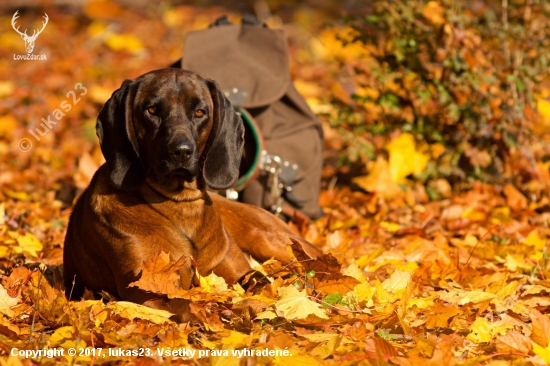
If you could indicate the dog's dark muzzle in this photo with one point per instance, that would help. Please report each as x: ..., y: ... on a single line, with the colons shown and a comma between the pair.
x: 181, y: 151
x: 180, y: 160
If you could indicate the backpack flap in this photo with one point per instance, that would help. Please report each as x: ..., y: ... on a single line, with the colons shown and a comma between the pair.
x: 249, y: 57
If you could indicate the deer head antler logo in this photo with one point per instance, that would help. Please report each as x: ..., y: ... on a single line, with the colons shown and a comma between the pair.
x: 29, y: 40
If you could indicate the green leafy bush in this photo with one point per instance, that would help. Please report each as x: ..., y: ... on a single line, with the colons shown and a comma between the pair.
x: 460, y: 76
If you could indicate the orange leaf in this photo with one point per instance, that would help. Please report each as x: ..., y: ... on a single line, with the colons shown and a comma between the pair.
x: 440, y: 315
x: 514, y: 198
x: 161, y: 276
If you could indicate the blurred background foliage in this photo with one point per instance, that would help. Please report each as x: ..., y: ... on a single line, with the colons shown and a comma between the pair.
x: 463, y: 83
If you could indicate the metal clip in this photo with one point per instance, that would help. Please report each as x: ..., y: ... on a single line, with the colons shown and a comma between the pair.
x: 271, y: 164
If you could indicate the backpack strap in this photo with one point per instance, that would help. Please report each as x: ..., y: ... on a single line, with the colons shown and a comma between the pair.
x: 250, y: 19
x: 221, y: 21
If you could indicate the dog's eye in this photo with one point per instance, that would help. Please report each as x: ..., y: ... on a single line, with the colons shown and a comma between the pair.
x: 152, y: 111
x: 199, y: 113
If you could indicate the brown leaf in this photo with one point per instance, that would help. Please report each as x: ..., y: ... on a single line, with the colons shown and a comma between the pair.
x: 458, y: 224
x: 357, y: 331
x: 210, y: 319
x: 280, y: 341
x: 328, y: 279
x: 49, y: 302
x: 385, y: 347
x: 514, y: 341
x: 411, y: 231
x: 16, y: 279
x: 443, y: 354
x: 256, y: 306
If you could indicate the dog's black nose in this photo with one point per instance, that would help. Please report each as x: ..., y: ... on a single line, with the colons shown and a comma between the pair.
x: 181, y: 150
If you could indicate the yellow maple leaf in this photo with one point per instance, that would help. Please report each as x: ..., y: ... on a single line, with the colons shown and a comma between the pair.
x: 28, y: 243
x: 268, y: 314
x: 354, y: 271
x: 513, y: 264
x: 409, y: 267
x: 475, y: 297
x: 535, y: 240
x: 236, y: 340
x: 508, y: 290
x: 405, y: 159
x: 294, y: 304
x: 212, y: 283
x: 381, y: 293
x: 63, y: 337
x: 461, y: 297
x: 130, y: 310
x: 261, y: 297
x: 327, y: 349
x: 421, y: 302
x: 480, y: 331
x: 398, y: 282
x: 124, y: 42
x: 362, y: 293
x: 542, y: 352
x: 379, y: 180
x: 319, y: 337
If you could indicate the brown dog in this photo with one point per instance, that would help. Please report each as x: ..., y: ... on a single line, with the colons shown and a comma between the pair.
x: 166, y: 136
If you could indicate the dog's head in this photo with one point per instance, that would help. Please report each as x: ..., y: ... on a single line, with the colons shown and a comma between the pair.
x: 172, y: 128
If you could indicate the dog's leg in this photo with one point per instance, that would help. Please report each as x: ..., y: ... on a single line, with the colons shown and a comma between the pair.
x: 258, y: 232
x: 234, y: 266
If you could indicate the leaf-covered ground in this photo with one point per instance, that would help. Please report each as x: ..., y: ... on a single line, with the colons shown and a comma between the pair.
x: 412, y: 274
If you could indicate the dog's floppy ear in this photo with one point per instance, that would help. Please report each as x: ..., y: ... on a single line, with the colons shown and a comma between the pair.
x: 225, y: 142
x: 118, y: 140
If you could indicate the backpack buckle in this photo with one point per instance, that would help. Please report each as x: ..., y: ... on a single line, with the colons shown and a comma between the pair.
x: 280, y: 177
